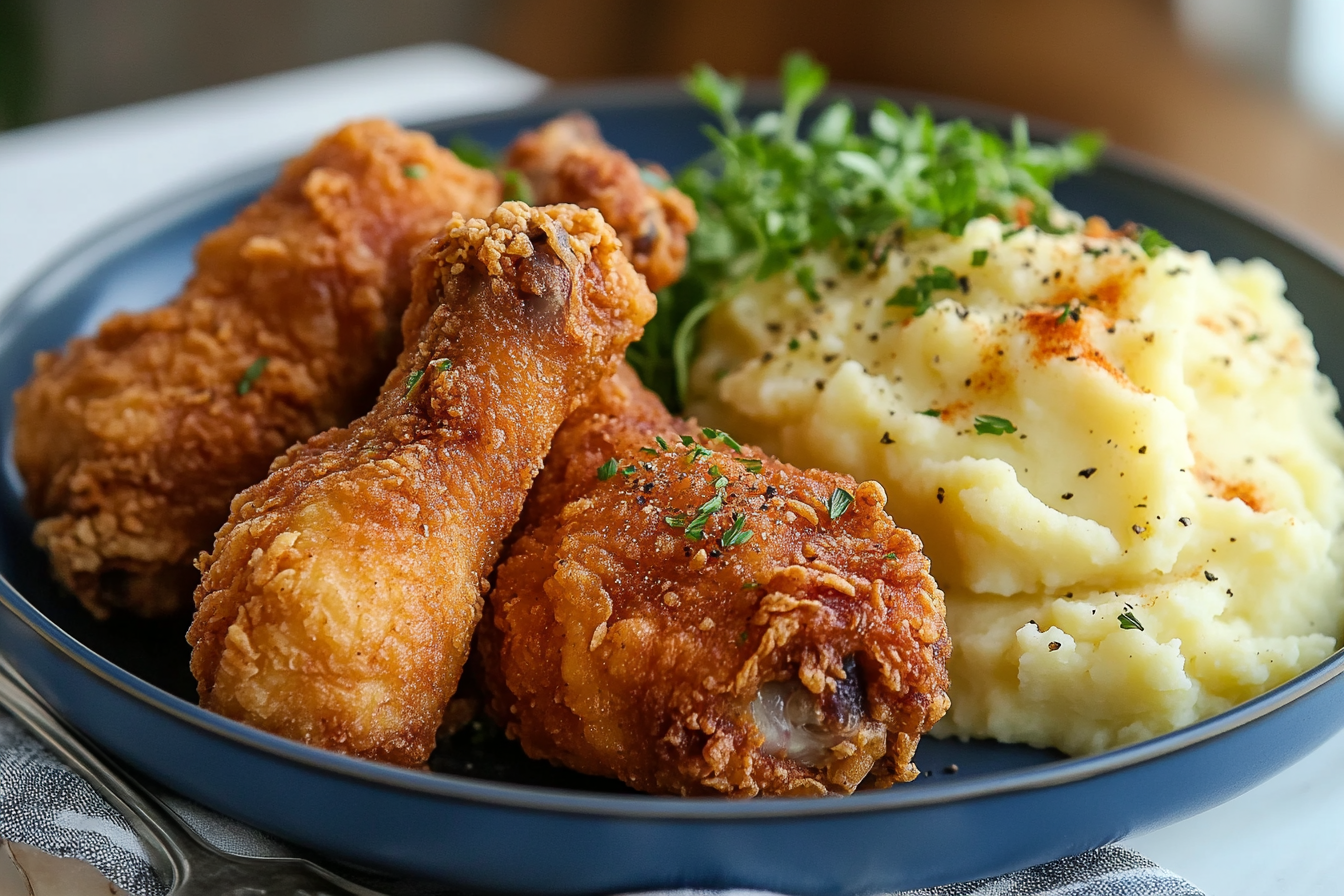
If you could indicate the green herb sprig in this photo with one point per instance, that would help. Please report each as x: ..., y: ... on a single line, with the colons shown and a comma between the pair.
x: 768, y: 193
x: 252, y: 374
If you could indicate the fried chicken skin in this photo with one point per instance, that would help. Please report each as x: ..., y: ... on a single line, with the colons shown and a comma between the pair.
x: 340, y: 599
x: 694, y: 619
x: 566, y: 160
x: 132, y: 442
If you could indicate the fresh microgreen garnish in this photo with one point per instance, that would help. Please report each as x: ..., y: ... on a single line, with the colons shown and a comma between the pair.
x: 629, y: 471
x: 653, y: 451
x: 697, y: 452
x: 607, y: 470
x: 752, y: 464
x: 838, y: 503
x: 723, y: 437
x: 1129, y: 621
x: 414, y: 171
x: 736, y: 534
x: 441, y: 364
x: 721, y: 482
x: 932, y: 412
x: 794, y: 345
x: 986, y: 425
x: 412, y: 381
x: 750, y: 586
x: 768, y: 195
x: 919, y: 296
x: 662, y: 443
x: 808, y: 281
x: 741, y: 637
x: 687, y: 441
x: 252, y: 374
x: 1067, y: 311
x: 979, y: 257
x: 1152, y: 242
x: 678, y: 521
x: 890, y: 556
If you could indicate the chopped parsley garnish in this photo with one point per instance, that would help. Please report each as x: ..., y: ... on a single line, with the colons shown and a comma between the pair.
x: 1152, y: 242
x: 516, y: 187
x: 413, y: 380
x: 607, y: 470
x: 750, y: 586
x: 979, y: 257
x: 1129, y: 621
x: 807, y: 280
x: 1068, y: 311
x: 736, y: 534
x: 252, y: 374
x: 794, y: 345
x: 687, y: 441
x: 920, y: 295
x: 653, y: 451
x: 695, y: 529
x: 932, y: 412
x: 441, y: 364
x: 473, y: 152
x: 768, y: 194
x: 838, y: 503
x: 752, y: 464
x: 662, y: 443
x: 414, y: 171
x: 629, y: 471
x: 986, y: 425
x: 891, y: 556
x: 741, y: 637
x: 723, y: 437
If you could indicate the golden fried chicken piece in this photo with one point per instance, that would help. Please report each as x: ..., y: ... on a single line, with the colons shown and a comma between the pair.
x: 566, y: 160
x: 340, y: 599
x: 693, y: 619
x: 133, y: 442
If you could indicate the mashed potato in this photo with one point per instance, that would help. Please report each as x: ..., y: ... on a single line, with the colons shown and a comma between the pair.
x: 1156, y: 538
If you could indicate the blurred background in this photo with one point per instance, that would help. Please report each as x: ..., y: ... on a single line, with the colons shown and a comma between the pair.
x: 1246, y: 93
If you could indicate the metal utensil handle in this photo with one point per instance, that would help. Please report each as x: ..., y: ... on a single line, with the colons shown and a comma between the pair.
x: 185, y: 862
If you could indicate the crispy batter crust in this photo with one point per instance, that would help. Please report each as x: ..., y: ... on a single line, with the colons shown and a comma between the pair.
x: 620, y: 647
x: 340, y: 599
x: 132, y: 442
x: 566, y: 160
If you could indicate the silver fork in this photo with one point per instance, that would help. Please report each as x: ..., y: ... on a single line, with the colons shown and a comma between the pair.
x: 183, y: 860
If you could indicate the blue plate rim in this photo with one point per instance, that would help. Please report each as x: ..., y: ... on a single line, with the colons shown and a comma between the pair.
x: 109, y: 240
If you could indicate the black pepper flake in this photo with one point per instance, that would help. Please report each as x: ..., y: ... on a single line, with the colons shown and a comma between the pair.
x: 941, y: 493
x: 1066, y: 496
x: 1071, y: 358
x: 1210, y: 576
x: 1087, y: 474
x: 820, y: 384
x: 887, y: 439
x: 1184, y: 521
x: 1053, y: 646
x: 767, y: 357
x: 826, y: 359
x: 1143, y: 449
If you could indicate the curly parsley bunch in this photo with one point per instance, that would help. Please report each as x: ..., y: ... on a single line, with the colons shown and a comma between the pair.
x: 767, y: 195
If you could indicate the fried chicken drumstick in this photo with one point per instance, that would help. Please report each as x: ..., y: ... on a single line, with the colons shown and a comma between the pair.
x: 695, y: 619
x: 340, y: 599
x: 566, y: 160
x: 133, y: 442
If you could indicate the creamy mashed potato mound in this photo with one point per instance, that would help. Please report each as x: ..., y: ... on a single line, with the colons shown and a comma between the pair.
x: 1175, y: 465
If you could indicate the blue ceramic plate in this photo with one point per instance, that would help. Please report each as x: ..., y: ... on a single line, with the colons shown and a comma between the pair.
x: 492, y: 820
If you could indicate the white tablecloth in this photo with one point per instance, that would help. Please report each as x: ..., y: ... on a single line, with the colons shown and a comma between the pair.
x: 62, y: 180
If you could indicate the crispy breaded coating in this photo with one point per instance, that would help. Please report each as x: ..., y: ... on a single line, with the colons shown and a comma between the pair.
x: 340, y: 599
x: 694, y: 619
x: 566, y: 160
x: 132, y: 442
